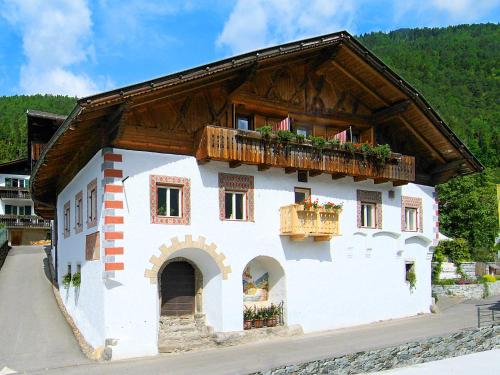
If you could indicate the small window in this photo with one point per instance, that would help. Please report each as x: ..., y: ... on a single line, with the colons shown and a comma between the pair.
x: 79, y: 212
x: 169, y: 201
x: 67, y: 219
x: 302, y: 130
x: 302, y: 176
x: 10, y: 210
x: 244, y: 122
x: 411, y: 219
x: 409, y: 270
x: 92, y: 204
x: 235, y: 205
x: 368, y: 215
x: 302, y: 194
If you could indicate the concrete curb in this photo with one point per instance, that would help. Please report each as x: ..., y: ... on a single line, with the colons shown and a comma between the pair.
x: 85, y: 347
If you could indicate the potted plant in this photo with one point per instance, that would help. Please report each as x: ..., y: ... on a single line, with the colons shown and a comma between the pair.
x: 76, y: 279
x: 66, y: 280
x: 248, y: 317
x: 259, y: 318
x: 265, y: 131
x: 332, y: 206
x: 271, y: 315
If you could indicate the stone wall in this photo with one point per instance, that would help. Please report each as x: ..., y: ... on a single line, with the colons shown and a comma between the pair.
x: 433, y: 349
x: 470, y: 291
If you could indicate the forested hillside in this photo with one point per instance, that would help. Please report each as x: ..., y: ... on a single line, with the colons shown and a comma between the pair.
x: 457, y: 70
x: 13, y: 120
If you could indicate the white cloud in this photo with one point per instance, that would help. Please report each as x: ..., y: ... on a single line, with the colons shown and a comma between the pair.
x: 259, y: 23
x: 56, y: 38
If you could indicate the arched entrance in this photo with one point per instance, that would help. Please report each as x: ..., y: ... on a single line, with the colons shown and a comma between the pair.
x: 180, y: 288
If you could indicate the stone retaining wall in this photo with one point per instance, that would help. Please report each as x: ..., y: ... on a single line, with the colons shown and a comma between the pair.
x: 460, y: 343
x: 470, y: 291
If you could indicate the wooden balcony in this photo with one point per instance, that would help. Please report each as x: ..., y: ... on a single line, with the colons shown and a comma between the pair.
x: 14, y: 193
x: 248, y: 147
x: 298, y: 223
x: 24, y: 221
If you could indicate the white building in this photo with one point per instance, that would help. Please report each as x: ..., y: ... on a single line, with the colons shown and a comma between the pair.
x: 168, y: 203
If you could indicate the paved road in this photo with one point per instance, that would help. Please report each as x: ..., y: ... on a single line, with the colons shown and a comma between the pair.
x: 33, y: 333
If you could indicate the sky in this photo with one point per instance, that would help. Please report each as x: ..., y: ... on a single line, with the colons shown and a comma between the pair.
x: 82, y: 47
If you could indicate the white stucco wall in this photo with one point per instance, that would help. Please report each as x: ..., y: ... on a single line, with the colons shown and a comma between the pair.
x: 356, y: 278
x: 85, y: 305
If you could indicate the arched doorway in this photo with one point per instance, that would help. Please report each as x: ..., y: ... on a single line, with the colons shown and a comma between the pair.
x: 180, y: 293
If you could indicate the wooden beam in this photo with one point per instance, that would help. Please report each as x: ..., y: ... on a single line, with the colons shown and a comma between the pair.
x: 234, y: 164
x: 336, y: 176
x: 360, y: 82
x: 359, y: 178
x: 315, y: 173
x: 390, y: 111
x: 433, y: 150
x: 263, y: 167
x: 399, y: 183
x: 380, y: 180
x: 452, y: 165
x: 289, y: 170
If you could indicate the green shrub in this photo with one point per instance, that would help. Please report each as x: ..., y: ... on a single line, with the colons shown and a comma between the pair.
x: 488, y: 278
x: 285, y: 136
x: 66, y: 280
x: 457, y: 250
x: 265, y: 131
x: 319, y: 142
x: 76, y: 279
x: 445, y: 282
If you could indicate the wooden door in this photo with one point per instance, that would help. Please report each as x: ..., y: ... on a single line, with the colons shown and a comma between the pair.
x: 16, y: 237
x: 178, y: 289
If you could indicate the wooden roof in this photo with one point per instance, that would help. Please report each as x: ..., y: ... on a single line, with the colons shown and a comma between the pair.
x: 97, y: 121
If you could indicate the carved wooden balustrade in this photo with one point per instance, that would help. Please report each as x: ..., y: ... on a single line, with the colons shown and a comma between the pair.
x: 248, y: 147
x: 24, y: 221
x: 14, y: 193
x: 299, y: 223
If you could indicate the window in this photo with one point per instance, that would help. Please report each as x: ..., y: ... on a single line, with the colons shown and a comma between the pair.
x: 79, y: 212
x: 302, y: 176
x: 67, y: 220
x: 168, y: 202
x: 368, y: 217
x: 411, y: 214
x: 24, y: 210
x: 409, y: 271
x: 10, y: 210
x: 302, y: 130
x: 369, y: 212
x: 92, y: 204
x: 244, y: 122
x: 410, y: 219
x: 235, y: 205
x: 301, y: 194
x: 236, y: 201
x: 17, y: 210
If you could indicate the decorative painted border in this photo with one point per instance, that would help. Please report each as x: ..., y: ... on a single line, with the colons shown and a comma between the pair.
x: 67, y: 230
x: 238, y: 183
x: 182, y: 182
x: 412, y: 202
x: 79, y: 220
x: 435, y: 218
x: 370, y: 197
x: 188, y: 243
x: 92, y: 184
x: 113, y: 204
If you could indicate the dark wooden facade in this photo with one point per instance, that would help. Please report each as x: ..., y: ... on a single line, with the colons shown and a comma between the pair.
x: 327, y: 83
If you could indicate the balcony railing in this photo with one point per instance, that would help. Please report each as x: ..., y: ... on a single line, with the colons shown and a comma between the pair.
x: 299, y: 223
x: 248, y: 147
x: 14, y: 193
x: 24, y: 221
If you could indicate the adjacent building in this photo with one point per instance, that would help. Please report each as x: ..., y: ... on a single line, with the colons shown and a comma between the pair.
x: 174, y: 197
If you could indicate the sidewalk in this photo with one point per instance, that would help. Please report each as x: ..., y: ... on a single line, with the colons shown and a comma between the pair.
x: 248, y: 358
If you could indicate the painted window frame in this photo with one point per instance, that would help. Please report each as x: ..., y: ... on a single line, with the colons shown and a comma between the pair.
x: 67, y: 219
x: 414, y: 203
x: 184, y: 184
x: 370, y: 197
x: 92, y: 213
x: 236, y: 183
x: 79, y: 212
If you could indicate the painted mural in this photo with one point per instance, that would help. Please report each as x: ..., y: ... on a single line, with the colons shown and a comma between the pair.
x: 255, y: 289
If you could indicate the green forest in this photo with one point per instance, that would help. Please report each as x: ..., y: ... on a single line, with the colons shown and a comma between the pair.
x: 455, y: 68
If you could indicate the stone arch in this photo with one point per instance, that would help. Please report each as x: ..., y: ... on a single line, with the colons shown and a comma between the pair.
x: 167, y: 251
